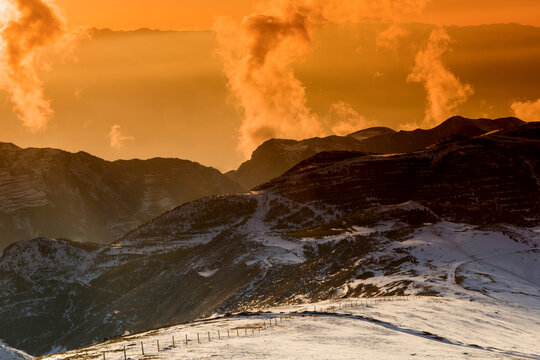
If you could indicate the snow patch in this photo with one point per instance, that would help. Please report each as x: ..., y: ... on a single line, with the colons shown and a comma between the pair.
x: 207, y: 273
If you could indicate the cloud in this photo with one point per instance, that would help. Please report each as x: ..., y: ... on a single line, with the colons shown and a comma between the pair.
x: 116, y: 139
x: 258, y: 58
x: 388, y: 39
x: 527, y: 111
x: 345, y: 119
x: 259, y: 54
x: 444, y: 91
x: 28, y: 28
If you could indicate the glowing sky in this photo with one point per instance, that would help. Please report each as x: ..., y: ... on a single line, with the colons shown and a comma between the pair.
x: 213, y: 95
x: 199, y: 14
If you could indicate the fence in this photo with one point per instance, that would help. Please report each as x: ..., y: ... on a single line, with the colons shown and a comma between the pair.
x: 266, y: 321
x: 142, y: 348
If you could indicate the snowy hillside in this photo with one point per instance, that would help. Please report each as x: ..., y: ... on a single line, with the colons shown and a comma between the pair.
x: 8, y: 353
x: 459, y: 220
x: 356, y: 328
x: 444, y: 259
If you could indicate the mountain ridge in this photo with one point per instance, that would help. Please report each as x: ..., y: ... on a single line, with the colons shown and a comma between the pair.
x: 78, y: 195
x: 333, y: 226
x: 275, y: 156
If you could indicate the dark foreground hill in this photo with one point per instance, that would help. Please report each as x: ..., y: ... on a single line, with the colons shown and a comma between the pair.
x: 339, y: 224
x: 275, y: 156
x: 49, y: 192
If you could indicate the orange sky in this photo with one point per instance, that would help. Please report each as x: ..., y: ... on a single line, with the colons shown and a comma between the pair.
x: 184, y: 14
x: 141, y: 94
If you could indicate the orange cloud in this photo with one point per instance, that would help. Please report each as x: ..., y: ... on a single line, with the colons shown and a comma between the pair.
x: 389, y: 38
x: 116, y: 139
x: 444, y: 90
x: 345, y: 119
x: 259, y: 53
x: 27, y: 29
x: 527, y: 111
x: 258, y: 58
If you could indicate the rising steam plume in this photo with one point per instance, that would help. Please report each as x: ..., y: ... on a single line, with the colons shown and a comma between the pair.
x: 258, y: 58
x: 527, y: 110
x: 27, y: 29
x: 259, y: 54
x: 117, y: 139
x: 444, y: 90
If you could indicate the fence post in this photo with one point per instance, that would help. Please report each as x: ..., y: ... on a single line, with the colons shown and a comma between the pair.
x: 209, y: 336
x: 228, y: 334
x: 157, y: 341
x: 104, y: 355
x: 142, y: 348
x: 186, y: 340
x: 125, y: 355
x: 198, y: 338
x: 218, y: 335
x: 237, y: 334
x: 173, y: 344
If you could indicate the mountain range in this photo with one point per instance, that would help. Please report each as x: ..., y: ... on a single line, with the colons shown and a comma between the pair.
x: 339, y: 224
x: 49, y: 192
x: 276, y: 156
x: 84, y: 198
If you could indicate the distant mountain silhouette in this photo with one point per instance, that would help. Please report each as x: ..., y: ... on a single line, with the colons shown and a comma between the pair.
x: 276, y: 156
x: 409, y: 141
x: 49, y: 192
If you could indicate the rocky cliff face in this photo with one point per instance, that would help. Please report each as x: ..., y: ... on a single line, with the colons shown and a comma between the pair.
x: 336, y: 225
x: 275, y: 156
x: 48, y: 192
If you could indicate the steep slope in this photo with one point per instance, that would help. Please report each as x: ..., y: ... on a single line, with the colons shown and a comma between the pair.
x: 48, y: 192
x: 335, y: 226
x: 8, y: 353
x: 276, y: 156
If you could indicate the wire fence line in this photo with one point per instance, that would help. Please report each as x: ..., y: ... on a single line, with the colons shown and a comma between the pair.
x: 140, y: 349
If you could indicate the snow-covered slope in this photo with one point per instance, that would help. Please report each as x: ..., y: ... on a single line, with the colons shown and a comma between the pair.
x: 359, y: 328
x: 341, y: 225
x: 9, y: 353
x: 113, y: 289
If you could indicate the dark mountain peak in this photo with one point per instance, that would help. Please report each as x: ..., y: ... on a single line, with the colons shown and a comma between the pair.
x: 371, y: 132
x: 6, y: 145
x: 276, y: 156
x: 460, y: 124
x: 530, y: 130
x: 493, y: 177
